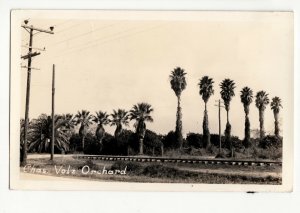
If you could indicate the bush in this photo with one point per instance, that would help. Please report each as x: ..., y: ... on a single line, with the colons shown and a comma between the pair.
x: 108, y: 145
x: 236, y: 143
x: 75, y: 143
x: 195, y: 140
x: 214, y: 139
x: 152, y: 143
x: 160, y: 171
x: 91, y: 145
x: 170, y: 141
x: 271, y: 141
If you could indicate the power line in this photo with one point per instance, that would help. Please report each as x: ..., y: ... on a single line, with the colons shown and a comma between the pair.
x: 83, y: 34
x: 103, y: 40
x: 55, y: 25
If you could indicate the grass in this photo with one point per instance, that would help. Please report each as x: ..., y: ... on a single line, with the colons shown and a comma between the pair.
x: 163, y: 173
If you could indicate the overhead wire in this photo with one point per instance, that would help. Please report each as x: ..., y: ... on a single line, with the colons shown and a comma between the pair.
x: 107, y: 39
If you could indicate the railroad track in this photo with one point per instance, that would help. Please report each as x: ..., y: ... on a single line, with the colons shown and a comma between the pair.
x: 214, y: 161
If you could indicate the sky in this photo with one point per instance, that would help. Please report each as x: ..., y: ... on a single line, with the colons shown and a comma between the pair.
x: 110, y: 61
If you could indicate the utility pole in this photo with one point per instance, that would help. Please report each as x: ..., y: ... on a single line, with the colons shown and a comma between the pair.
x: 30, y: 30
x: 220, y: 135
x: 52, y: 114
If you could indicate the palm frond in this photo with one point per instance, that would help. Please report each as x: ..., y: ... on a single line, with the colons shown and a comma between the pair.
x: 206, y: 88
x: 177, y: 80
x: 261, y: 99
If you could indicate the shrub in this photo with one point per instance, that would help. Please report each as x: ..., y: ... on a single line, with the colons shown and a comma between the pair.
x: 236, y: 143
x: 75, y: 143
x: 108, y: 145
x: 91, y: 146
x: 160, y: 171
x: 195, y: 140
x: 170, y: 141
x: 214, y: 139
x: 271, y: 141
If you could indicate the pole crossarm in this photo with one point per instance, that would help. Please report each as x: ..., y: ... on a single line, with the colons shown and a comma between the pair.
x: 30, y: 55
x: 37, y: 29
x: 34, y: 48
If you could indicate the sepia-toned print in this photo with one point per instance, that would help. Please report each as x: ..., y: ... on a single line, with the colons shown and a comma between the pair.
x: 151, y: 100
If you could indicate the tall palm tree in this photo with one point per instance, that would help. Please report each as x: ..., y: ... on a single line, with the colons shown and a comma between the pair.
x: 178, y: 84
x: 227, y: 92
x: 141, y: 114
x: 206, y: 90
x: 246, y: 99
x: 261, y: 101
x: 101, y: 119
x: 84, y: 118
x: 41, y: 133
x: 119, y: 118
x: 275, y: 106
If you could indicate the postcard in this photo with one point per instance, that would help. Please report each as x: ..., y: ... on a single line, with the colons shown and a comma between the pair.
x: 151, y: 100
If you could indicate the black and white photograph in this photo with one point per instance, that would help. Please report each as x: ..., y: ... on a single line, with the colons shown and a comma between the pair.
x: 151, y: 100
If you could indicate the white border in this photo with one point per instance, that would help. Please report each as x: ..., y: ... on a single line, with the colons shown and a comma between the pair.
x: 16, y: 201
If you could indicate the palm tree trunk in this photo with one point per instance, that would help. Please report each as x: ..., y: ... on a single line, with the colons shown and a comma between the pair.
x: 261, y: 124
x: 179, y: 123
x: 277, y: 130
x: 83, y: 140
x: 118, y: 130
x: 247, y: 130
x: 206, y: 133
x: 141, y: 140
x: 162, y: 149
x: 228, y: 133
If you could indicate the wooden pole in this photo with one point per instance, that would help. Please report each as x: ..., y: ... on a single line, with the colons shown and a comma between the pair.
x: 52, y: 114
x: 24, y: 154
x: 220, y: 137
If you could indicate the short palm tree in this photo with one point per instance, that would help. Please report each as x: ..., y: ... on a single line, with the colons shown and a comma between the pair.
x: 206, y: 90
x: 41, y: 132
x: 84, y: 118
x: 275, y: 106
x: 261, y: 101
x: 141, y: 114
x: 178, y: 84
x: 101, y: 119
x: 119, y: 118
x: 227, y: 92
x: 246, y: 99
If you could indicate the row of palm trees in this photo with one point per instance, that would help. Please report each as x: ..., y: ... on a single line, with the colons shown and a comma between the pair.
x: 40, y: 129
x: 140, y: 113
x: 227, y: 86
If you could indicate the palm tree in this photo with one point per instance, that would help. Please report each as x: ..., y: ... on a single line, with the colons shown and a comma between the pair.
x: 119, y: 118
x: 41, y: 129
x: 101, y: 119
x: 141, y: 114
x: 275, y: 106
x: 246, y: 99
x: 178, y: 84
x: 261, y: 101
x: 227, y: 92
x: 206, y: 90
x: 84, y: 119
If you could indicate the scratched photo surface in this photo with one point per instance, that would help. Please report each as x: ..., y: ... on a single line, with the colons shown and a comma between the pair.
x: 151, y: 100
